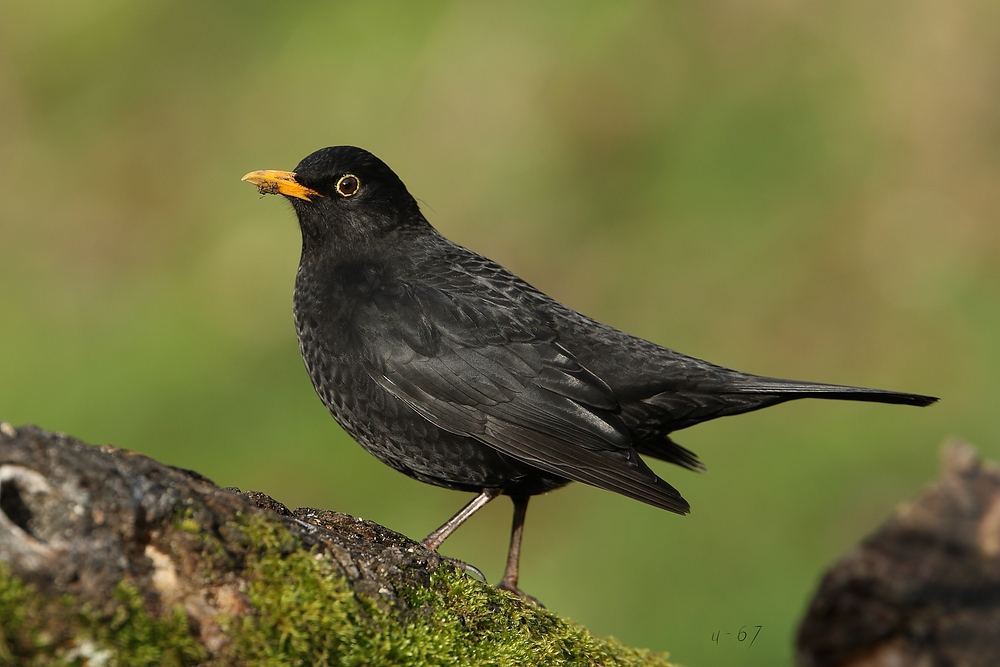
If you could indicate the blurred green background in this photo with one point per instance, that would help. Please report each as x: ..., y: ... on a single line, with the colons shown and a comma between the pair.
x: 798, y: 189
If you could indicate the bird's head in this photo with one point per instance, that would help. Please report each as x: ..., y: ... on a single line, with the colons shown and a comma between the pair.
x: 342, y: 195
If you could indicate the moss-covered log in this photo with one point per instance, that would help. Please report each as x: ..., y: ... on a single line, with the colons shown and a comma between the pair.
x: 108, y: 557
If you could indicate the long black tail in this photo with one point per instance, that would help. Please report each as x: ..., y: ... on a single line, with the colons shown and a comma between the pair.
x: 731, y: 393
x: 790, y: 389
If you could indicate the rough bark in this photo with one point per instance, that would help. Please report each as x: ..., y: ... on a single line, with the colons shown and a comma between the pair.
x: 924, y: 590
x: 109, y: 557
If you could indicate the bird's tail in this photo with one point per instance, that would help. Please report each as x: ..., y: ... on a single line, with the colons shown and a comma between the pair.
x: 733, y: 394
x: 790, y: 389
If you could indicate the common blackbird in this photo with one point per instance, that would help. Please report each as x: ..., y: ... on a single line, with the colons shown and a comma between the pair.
x: 453, y: 370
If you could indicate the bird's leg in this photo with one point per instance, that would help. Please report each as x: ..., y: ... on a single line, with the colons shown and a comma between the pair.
x: 435, y: 539
x: 510, y: 573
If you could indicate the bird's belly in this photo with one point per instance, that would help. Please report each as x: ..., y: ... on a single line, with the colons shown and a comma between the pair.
x: 399, y: 437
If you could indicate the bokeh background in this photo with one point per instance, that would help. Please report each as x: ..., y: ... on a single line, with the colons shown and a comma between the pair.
x: 791, y: 188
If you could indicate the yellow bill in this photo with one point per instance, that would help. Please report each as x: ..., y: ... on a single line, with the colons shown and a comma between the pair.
x: 272, y: 182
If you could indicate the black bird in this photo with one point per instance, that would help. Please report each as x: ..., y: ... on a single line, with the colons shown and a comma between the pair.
x: 453, y: 370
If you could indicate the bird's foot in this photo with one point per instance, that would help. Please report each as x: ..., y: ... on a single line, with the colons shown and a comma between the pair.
x: 505, y: 585
x: 465, y: 567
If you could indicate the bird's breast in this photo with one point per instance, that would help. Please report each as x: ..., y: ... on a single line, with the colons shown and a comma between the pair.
x: 335, y: 308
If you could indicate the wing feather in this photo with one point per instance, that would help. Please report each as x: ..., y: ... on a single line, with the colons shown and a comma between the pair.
x: 524, y: 395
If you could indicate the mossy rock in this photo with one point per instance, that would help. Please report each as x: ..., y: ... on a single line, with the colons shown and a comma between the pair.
x: 110, y: 558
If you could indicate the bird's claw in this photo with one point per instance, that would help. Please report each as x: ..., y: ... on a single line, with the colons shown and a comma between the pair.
x: 468, y: 569
x: 512, y: 588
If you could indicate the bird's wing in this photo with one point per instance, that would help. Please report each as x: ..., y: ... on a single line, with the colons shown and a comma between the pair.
x: 481, y: 367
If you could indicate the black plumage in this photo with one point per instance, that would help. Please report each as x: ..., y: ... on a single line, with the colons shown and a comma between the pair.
x: 451, y: 369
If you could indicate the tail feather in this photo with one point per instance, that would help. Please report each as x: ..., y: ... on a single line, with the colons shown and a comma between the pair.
x: 661, y: 446
x: 798, y: 389
x: 650, y: 420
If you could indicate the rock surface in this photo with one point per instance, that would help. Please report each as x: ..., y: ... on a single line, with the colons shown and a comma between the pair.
x: 924, y: 590
x: 109, y: 557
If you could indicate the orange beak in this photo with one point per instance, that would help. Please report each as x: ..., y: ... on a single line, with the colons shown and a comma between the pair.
x: 271, y: 182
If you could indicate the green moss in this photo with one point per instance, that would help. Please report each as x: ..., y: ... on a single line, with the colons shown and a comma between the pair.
x: 34, y: 631
x: 137, y: 639
x: 186, y: 522
x: 16, y: 605
x: 306, y: 614
x: 489, y: 626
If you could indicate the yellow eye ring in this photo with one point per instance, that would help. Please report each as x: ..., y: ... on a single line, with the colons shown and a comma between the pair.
x: 348, y: 185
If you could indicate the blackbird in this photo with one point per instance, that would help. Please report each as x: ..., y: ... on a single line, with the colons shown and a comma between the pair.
x: 451, y: 369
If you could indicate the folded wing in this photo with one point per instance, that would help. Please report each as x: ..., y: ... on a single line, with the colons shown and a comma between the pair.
x: 509, y: 384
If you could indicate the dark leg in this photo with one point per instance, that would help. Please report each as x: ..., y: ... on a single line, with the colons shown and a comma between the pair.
x: 510, y: 574
x: 435, y: 539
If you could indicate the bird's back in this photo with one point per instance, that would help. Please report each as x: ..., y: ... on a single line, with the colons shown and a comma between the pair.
x: 659, y: 390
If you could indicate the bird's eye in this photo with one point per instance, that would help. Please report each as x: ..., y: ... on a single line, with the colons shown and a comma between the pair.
x: 348, y: 185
